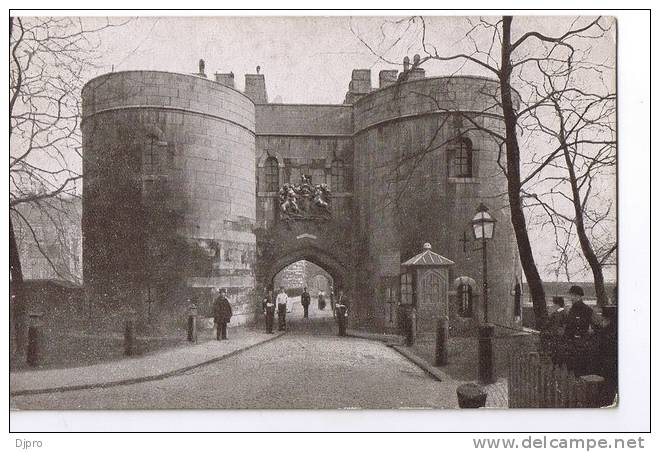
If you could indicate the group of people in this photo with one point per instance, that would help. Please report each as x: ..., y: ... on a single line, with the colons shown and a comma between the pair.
x: 281, y: 303
x: 579, y: 338
x: 222, y: 311
x: 576, y: 322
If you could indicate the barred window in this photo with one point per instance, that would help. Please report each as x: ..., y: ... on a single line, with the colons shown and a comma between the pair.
x: 406, y: 289
x: 338, y: 176
x: 460, y: 164
x: 464, y: 296
x: 271, y: 175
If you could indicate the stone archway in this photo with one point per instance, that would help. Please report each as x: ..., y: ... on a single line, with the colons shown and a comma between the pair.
x: 335, y: 268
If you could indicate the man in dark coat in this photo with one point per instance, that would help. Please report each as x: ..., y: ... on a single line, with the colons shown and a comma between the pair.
x: 341, y: 314
x: 580, y: 316
x: 221, y: 314
x: 552, y: 334
x: 557, y: 320
x: 305, y: 300
x: 268, y: 306
x: 577, y: 338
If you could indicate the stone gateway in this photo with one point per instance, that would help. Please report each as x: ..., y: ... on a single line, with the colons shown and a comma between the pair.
x: 191, y: 185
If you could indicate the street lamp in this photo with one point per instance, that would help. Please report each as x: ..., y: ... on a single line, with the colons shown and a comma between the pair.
x: 483, y: 226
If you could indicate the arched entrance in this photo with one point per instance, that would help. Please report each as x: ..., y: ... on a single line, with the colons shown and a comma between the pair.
x: 322, y: 265
x: 306, y: 276
x: 336, y: 269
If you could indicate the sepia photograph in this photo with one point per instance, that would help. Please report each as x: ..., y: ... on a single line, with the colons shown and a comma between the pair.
x: 313, y: 212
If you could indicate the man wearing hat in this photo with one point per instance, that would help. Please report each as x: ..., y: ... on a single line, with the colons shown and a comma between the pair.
x: 580, y: 316
x: 305, y: 300
x: 221, y: 314
x: 268, y: 306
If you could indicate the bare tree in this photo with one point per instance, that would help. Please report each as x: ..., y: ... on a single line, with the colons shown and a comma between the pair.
x: 581, y: 121
x: 50, y: 59
x: 512, y: 61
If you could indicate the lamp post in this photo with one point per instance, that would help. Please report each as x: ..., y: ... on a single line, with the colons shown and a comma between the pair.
x: 483, y: 226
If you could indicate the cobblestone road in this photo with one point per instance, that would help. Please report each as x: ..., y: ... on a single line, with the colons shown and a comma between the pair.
x: 309, y: 367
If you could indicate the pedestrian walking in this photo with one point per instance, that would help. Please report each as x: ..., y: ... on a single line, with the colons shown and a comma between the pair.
x: 268, y: 307
x: 221, y: 314
x: 321, y: 300
x: 341, y: 314
x: 305, y: 300
x: 281, y: 301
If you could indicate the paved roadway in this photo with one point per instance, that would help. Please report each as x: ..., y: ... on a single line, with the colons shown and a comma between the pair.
x: 309, y: 367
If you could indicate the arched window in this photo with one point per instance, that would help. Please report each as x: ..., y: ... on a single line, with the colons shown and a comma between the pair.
x: 464, y: 295
x: 338, y: 176
x: 460, y: 159
x: 271, y: 175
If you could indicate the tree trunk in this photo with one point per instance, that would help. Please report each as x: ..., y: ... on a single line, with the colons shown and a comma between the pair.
x: 585, y: 243
x: 18, y: 305
x: 514, y: 186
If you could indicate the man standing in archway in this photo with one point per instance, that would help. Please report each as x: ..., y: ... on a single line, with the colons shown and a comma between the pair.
x: 281, y: 301
x: 305, y: 300
x: 341, y: 308
x: 268, y: 306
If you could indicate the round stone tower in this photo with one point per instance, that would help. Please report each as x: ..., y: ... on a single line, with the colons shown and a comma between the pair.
x: 424, y: 161
x: 169, y: 193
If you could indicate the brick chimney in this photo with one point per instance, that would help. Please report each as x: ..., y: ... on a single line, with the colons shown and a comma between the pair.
x: 359, y: 86
x: 255, y: 87
x: 387, y: 78
x: 225, y: 79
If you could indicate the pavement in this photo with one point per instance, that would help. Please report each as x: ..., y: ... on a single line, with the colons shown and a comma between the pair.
x: 308, y: 367
x: 131, y: 370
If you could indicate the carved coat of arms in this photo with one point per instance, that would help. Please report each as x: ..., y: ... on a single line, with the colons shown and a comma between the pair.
x: 305, y: 201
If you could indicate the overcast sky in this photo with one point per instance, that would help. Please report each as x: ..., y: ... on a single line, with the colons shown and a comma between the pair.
x: 310, y: 59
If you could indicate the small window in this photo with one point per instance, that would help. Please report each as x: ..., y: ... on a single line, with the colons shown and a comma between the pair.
x: 338, y: 176
x: 464, y: 296
x: 271, y: 175
x: 406, y: 288
x: 460, y: 159
x: 150, y: 157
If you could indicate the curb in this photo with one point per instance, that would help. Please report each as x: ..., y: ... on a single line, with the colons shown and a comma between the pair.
x: 389, y: 340
x: 146, y: 378
x: 420, y: 362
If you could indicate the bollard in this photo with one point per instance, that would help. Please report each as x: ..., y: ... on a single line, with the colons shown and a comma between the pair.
x: 192, y: 328
x: 130, y: 348
x: 192, y: 323
x: 411, y: 326
x: 442, y: 342
x: 593, y: 386
x: 34, y: 340
x: 341, y: 319
x: 486, y: 371
x: 470, y: 395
